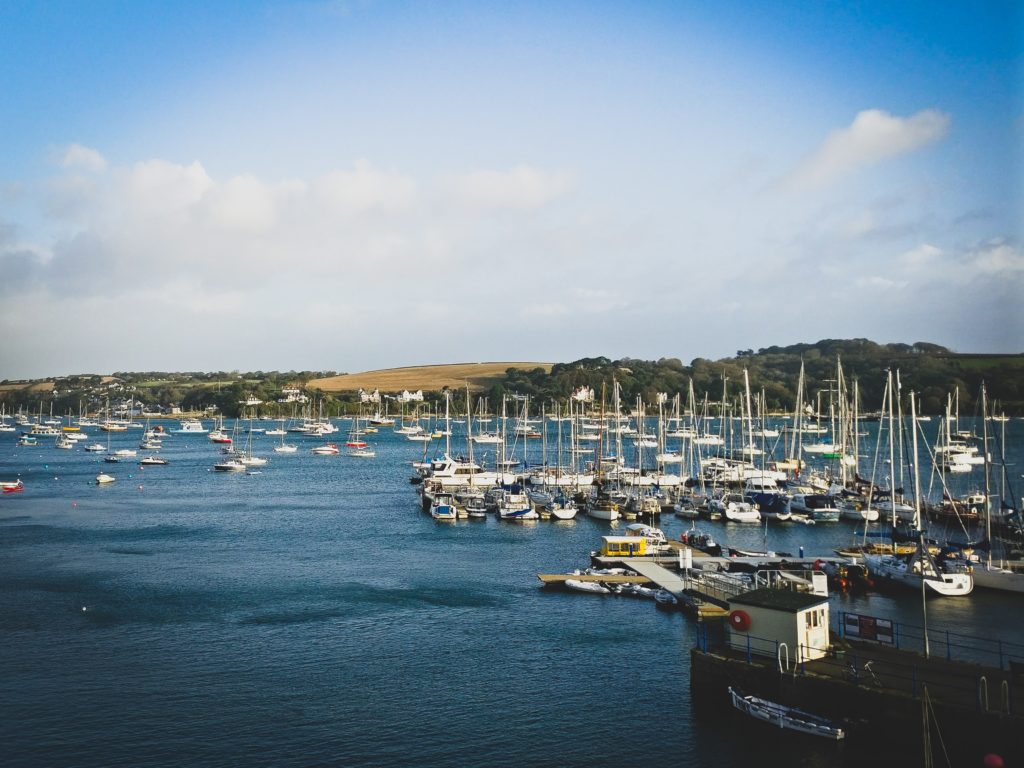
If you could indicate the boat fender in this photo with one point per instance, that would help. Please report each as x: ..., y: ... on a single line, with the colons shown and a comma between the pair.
x: 739, y: 620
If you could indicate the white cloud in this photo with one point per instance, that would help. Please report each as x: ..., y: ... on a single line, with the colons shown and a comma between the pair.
x: 873, y: 136
x: 86, y: 158
x: 997, y: 257
x: 521, y: 187
x: 365, y: 188
x: 921, y: 257
x: 243, y: 203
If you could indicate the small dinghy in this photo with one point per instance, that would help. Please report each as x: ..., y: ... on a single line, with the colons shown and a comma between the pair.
x: 786, y: 717
x: 587, y: 586
x: 665, y: 600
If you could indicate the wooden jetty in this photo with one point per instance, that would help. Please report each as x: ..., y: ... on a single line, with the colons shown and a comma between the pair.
x: 605, y: 578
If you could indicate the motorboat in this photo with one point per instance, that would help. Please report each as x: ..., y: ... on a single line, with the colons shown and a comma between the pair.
x: 191, y: 427
x: 789, y: 718
x: 104, y: 479
x: 654, y: 536
x: 153, y: 461
x: 327, y: 449
x: 819, y: 507
x: 442, y: 507
x: 285, y: 448
x: 515, y: 505
x: 95, y: 448
x: 362, y: 453
x: 230, y: 465
x: 12, y: 486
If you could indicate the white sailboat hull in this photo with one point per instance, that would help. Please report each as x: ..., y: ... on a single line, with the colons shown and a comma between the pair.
x: 895, y: 569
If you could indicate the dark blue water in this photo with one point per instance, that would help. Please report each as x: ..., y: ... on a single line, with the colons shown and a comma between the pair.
x: 312, y: 615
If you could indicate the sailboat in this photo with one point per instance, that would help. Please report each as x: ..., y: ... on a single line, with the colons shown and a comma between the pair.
x: 920, y: 570
x: 283, y: 447
x: 986, y: 572
x: 249, y: 459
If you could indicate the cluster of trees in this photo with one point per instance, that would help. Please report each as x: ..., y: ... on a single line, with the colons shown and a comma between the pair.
x: 930, y: 370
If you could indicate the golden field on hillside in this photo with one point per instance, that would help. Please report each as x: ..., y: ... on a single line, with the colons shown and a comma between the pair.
x: 425, y: 377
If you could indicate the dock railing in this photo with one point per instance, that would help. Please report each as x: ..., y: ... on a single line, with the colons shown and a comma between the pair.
x: 942, y: 643
x: 721, y: 586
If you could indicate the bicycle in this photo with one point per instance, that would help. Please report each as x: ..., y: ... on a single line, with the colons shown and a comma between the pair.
x: 857, y: 677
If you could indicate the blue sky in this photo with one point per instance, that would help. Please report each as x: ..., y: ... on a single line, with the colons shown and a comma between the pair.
x: 353, y: 185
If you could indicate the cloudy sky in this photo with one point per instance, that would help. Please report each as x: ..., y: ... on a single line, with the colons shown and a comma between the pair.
x: 352, y: 185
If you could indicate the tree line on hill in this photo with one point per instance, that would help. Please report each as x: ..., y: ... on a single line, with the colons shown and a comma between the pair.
x: 930, y: 370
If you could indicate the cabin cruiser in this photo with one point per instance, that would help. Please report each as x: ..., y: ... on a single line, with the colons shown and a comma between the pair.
x: 448, y: 473
x: 819, y: 507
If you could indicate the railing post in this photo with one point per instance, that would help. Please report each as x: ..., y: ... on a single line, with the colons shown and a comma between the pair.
x: 896, y: 634
x: 748, y: 650
x: 842, y: 625
x: 856, y: 670
x: 1000, y: 654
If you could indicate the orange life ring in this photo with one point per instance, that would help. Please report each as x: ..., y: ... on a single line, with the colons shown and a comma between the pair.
x: 739, y: 620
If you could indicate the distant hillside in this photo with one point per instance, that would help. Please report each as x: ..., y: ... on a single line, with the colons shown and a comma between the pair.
x: 425, y: 377
x: 928, y: 369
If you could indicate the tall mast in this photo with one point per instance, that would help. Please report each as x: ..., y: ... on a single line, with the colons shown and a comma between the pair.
x: 750, y: 418
x: 892, y: 458
x: 988, y: 493
x: 917, y: 519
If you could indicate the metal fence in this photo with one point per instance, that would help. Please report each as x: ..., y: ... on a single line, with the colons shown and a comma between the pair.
x: 993, y: 652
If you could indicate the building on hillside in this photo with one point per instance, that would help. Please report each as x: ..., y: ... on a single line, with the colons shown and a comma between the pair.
x: 292, y: 395
x: 369, y: 397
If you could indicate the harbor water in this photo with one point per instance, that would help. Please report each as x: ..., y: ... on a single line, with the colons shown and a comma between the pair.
x: 309, y: 614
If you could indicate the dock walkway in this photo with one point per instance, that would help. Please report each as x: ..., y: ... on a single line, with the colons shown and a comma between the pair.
x: 664, y: 578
